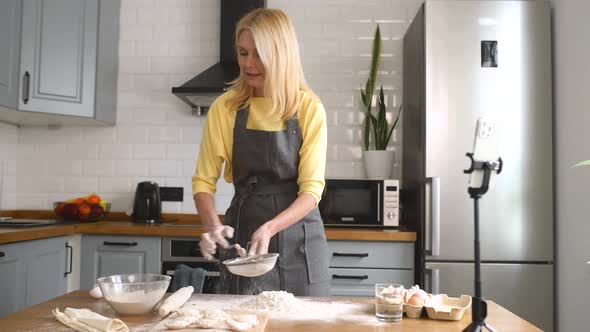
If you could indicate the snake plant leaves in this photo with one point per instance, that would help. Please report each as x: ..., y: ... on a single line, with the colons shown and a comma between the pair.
x: 582, y: 163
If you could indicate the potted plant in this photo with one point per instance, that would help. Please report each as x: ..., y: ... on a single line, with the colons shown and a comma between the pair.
x: 378, y: 160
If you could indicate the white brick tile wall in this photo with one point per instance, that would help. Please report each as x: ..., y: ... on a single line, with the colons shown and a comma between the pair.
x: 125, y: 115
x: 152, y: 48
x: 165, y: 43
x: 188, y: 168
x: 8, y: 185
x: 131, y: 167
x: 119, y: 151
x: 164, y: 135
x: 136, y: 32
x: 115, y: 185
x: 165, y: 168
x: 149, y: 151
x: 98, y: 135
x: 81, y: 184
x: 145, y: 116
x: 8, y: 157
x: 52, y: 151
x: 98, y: 168
x: 64, y: 167
x: 182, y: 151
x: 170, y: 32
x: 81, y: 151
x: 10, y: 164
x: 126, y: 49
x: 27, y: 167
x: 128, y: 134
x: 125, y: 82
x: 134, y: 64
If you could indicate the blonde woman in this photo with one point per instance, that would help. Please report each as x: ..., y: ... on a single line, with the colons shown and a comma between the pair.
x: 270, y: 131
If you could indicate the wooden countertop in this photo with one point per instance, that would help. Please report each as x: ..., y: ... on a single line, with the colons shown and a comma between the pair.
x: 39, y: 318
x: 183, y: 227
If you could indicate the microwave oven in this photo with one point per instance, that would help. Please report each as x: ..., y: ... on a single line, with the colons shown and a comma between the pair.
x: 359, y: 202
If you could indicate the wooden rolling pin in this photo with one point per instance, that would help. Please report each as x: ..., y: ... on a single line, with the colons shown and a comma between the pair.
x: 176, y: 300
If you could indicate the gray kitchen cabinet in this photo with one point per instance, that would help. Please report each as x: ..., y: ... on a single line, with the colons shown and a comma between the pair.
x: 107, y: 255
x: 356, y: 266
x: 46, y: 269
x: 32, y: 272
x: 10, y: 23
x: 68, y: 62
x: 12, y: 281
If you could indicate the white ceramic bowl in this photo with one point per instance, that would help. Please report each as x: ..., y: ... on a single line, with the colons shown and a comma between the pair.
x: 134, y: 294
x: 251, y: 266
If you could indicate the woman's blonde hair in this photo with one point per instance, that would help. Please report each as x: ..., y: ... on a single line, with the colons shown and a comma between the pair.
x: 278, y: 50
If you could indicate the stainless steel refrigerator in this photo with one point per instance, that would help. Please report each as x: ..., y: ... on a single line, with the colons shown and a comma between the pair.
x: 464, y: 60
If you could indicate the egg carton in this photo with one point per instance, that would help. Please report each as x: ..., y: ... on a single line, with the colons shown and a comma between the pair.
x: 441, y: 307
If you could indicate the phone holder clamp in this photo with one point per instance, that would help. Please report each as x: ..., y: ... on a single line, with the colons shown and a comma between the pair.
x: 488, y: 167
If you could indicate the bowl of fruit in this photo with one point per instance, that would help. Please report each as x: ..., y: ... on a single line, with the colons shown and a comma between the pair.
x: 89, y: 208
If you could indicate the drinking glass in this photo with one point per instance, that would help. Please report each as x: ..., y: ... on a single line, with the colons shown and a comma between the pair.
x: 389, y: 302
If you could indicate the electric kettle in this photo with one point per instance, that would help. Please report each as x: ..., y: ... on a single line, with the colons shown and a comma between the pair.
x: 147, y: 207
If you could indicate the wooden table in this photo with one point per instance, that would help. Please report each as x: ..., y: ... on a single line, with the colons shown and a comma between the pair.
x: 39, y: 318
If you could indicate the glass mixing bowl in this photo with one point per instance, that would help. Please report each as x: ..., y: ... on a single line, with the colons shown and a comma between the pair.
x: 134, y: 294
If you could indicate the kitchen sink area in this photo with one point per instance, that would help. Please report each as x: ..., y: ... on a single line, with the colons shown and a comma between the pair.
x: 12, y: 222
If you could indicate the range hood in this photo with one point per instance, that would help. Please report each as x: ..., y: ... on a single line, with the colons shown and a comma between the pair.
x: 202, y: 89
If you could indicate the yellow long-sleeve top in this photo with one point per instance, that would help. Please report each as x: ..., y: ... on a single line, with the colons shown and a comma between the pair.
x: 217, y: 143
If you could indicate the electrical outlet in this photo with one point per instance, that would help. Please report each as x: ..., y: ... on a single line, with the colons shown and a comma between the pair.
x: 172, y: 194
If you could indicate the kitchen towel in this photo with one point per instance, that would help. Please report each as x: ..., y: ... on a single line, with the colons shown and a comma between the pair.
x: 187, y: 276
x: 86, y: 320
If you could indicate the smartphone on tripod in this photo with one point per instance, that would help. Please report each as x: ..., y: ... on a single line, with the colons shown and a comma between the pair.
x: 485, y: 149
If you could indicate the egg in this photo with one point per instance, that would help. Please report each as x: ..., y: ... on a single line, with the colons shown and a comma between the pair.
x: 423, y: 295
x: 96, y: 293
x: 416, y: 300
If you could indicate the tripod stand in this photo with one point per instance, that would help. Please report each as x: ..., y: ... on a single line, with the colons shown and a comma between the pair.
x: 479, y: 308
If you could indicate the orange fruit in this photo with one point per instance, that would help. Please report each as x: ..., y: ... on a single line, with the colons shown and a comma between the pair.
x: 84, y: 209
x: 93, y: 199
x: 79, y: 200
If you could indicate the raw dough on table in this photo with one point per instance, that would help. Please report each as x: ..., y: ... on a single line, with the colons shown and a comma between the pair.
x: 212, y: 319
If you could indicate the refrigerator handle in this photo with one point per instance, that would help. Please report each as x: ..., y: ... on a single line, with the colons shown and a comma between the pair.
x: 433, y: 216
x: 433, y: 275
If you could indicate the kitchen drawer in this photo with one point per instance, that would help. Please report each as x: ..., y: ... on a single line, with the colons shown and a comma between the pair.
x: 361, y: 282
x: 369, y: 254
x: 107, y: 255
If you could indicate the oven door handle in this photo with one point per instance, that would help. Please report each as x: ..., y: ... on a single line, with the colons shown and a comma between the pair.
x: 346, y: 254
x: 207, y: 274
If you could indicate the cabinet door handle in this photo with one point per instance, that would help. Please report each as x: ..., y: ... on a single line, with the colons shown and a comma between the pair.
x: 26, y: 86
x: 345, y: 254
x: 341, y: 276
x: 71, y: 258
x: 2, y: 254
x: 124, y: 244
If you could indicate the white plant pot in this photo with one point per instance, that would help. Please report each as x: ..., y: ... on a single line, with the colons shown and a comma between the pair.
x: 379, y: 164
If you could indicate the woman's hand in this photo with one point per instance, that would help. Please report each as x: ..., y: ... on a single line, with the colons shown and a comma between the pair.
x: 212, y: 238
x: 260, y: 240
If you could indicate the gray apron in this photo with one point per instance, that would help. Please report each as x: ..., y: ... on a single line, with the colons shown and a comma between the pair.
x: 265, y: 170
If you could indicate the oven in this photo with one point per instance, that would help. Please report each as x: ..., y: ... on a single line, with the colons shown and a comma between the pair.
x: 185, y: 250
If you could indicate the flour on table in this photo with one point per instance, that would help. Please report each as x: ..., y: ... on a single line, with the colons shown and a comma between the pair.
x: 280, y: 305
x: 279, y: 301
